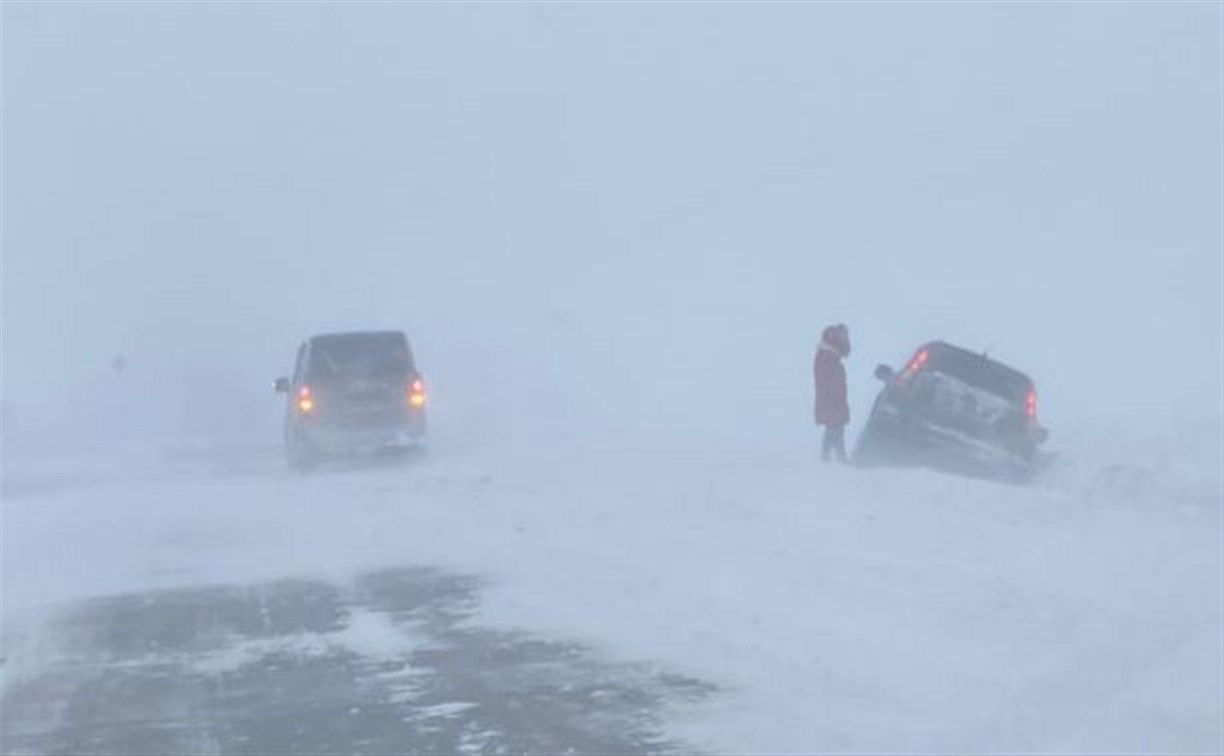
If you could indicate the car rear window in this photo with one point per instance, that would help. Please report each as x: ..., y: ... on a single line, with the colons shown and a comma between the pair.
x: 980, y: 372
x: 366, y: 355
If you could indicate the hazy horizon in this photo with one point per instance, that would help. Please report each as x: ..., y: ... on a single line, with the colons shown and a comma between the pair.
x: 639, y: 215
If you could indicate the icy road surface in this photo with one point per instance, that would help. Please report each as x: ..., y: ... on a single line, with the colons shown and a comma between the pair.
x: 381, y: 665
x: 605, y: 599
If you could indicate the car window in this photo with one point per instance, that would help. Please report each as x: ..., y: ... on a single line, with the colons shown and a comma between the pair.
x: 299, y: 363
x: 980, y: 372
x: 367, y: 356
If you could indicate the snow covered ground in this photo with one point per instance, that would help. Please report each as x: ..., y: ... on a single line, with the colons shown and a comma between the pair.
x: 837, y: 609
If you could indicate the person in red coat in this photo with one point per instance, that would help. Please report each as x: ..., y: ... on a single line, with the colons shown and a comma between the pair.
x: 832, y: 407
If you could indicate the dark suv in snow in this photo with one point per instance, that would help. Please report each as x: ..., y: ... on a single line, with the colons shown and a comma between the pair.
x: 954, y: 410
x: 353, y: 393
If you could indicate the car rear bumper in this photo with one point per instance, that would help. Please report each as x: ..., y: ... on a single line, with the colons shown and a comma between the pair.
x: 891, y: 440
x: 339, y: 442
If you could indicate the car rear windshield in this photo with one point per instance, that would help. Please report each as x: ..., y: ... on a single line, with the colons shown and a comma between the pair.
x: 365, y: 355
x: 980, y: 372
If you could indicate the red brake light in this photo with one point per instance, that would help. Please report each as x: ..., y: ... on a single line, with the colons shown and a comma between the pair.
x: 416, y: 394
x: 305, y: 400
x: 916, y: 364
x: 1030, y: 404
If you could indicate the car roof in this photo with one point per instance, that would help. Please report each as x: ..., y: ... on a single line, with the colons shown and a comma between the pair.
x: 355, y: 335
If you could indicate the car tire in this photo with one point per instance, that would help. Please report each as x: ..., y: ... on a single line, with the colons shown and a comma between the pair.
x: 409, y: 454
x: 869, y: 450
x: 300, y: 458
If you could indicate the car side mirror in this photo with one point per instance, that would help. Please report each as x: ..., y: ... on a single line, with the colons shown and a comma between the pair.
x: 885, y: 373
x: 281, y: 385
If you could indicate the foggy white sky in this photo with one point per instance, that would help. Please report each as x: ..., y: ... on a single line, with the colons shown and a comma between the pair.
x: 641, y: 211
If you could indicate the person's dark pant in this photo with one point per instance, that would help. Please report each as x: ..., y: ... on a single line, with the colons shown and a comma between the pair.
x: 834, y: 443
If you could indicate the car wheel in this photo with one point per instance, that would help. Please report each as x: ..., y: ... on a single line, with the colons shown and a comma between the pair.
x: 411, y: 453
x: 868, y: 452
x: 299, y: 457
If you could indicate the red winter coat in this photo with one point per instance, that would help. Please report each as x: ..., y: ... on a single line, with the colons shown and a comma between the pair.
x: 832, y: 407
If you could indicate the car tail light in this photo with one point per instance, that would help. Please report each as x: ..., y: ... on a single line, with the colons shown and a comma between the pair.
x: 1030, y: 404
x: 915, y: 364
x: 305, y: 400
x: 416, y: 394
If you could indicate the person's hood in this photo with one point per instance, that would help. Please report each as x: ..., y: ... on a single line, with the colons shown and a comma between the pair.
x: 836, y: 338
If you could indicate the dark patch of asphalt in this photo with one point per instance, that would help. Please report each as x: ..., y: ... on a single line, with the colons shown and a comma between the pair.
x: 388, y: 664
